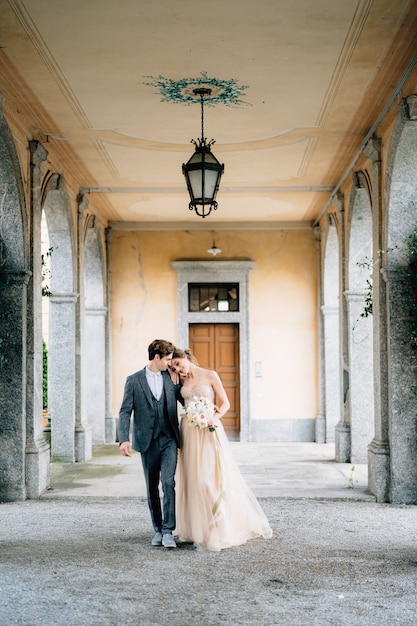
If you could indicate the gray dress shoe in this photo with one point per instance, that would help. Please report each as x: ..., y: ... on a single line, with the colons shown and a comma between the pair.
x: 157, y: 539
x: 168, y: 541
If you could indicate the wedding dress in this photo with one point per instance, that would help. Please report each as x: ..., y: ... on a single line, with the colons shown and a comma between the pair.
x: 215, y: 509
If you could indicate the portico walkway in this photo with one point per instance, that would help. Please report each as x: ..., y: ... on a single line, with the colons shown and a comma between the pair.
x: 81, y: 555
x: 285, y: 470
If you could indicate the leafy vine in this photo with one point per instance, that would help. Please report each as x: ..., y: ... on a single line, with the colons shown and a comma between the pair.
x: 410, y: 290
x: 368, y: 302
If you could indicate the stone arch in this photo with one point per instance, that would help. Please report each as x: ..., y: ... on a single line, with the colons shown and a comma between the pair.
x: 14, y: 278
x: 359, y: 322
x: 61, y: 348
x: 330, y: 314
x: 94, y: 352
x: 401, y: 221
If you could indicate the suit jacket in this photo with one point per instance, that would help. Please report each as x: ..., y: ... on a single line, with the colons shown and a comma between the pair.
x: 138, y: 398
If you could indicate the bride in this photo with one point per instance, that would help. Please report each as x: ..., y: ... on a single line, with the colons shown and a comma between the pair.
x: 215, y: 509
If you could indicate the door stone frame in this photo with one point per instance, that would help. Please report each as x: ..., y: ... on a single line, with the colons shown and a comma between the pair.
x: 195, y: 271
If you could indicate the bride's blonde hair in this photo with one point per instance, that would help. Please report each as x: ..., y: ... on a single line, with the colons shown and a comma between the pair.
x: 184, y: 354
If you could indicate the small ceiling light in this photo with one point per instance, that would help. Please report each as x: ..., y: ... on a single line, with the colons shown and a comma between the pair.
x: 203, y: 171
x: 214, y: 249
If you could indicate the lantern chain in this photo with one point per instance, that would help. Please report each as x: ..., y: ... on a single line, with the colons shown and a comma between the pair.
x: 203, y: 91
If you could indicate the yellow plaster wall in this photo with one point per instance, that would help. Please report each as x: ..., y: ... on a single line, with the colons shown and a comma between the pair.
x: 284, y: 326
x: 283, y: 305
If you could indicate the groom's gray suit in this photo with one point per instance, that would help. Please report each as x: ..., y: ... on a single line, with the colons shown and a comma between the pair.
x: 156, y: 436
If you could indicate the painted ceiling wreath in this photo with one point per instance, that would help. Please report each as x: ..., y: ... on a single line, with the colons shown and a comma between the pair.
x: 226, y: 92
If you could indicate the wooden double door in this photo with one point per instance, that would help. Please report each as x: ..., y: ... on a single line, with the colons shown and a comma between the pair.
x: 216, y: 346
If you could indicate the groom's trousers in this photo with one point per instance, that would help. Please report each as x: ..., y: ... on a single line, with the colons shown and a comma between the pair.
x: 159, y: 463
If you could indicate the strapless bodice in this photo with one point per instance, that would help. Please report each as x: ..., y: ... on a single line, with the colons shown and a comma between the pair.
x: 202, y: 390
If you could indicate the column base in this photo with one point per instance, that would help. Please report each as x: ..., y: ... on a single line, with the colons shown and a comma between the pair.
x: 342, y: 443
x: 83, y: 444
x: 379, y: 469
x: 110, y: 428
x: 38, y: 458
x: 320, y: 428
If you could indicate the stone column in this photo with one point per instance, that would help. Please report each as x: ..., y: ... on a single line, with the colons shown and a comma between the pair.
x: 330, y: 317
x: 13, y: 288
x: 37, y: 448
x: 111, y: 425
x: 320, y: 421
x: 94, y: 359
x: 378, y: 449
x: 402, y: 369
x: 361, y: 377
x: 342, y: 432
x: 61, y: 376
x: 83, y: 431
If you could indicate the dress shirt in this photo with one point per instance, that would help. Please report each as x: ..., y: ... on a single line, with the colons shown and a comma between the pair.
x: 155, y: 382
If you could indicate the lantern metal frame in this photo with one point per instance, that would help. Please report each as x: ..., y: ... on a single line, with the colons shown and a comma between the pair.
x: 202, y: 171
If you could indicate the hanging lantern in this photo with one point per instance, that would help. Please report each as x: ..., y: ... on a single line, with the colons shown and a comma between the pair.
x: 203, y: 171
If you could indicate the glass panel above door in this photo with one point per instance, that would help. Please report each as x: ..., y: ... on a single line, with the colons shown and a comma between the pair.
x: 218, y: 297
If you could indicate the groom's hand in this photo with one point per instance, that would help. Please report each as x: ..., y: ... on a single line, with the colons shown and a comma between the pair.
x: 174, y: 376
x: 126, y: 448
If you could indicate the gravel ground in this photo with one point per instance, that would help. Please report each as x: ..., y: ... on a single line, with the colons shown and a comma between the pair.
x: 77, y: 562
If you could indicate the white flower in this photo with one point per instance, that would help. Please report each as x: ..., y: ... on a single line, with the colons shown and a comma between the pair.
x: 200, y: 412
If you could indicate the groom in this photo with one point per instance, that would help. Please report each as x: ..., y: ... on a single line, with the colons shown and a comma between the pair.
x: 152, y: 396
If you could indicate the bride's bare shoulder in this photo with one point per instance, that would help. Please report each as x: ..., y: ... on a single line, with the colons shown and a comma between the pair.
x: 213, y: 375
x: 204, y: 376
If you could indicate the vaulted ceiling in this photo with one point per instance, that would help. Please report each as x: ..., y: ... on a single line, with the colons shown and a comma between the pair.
x: 299, y: 86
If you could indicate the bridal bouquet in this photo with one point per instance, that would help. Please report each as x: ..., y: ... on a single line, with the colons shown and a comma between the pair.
x: 199, y: 412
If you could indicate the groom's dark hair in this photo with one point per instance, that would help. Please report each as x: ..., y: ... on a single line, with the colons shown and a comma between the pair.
x: 161, y: 347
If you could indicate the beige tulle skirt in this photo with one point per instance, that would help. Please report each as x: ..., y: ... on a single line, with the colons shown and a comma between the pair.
x: 215, y: 509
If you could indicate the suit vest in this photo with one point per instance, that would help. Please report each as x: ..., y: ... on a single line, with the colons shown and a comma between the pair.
x: 161, y: 422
